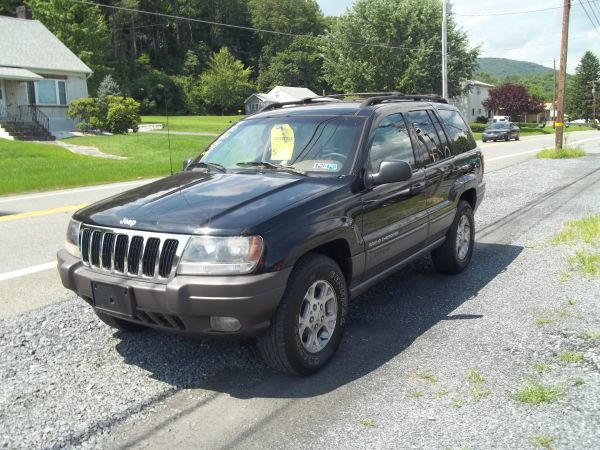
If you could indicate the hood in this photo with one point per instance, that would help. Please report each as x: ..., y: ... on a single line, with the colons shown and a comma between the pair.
x: 195, y: 202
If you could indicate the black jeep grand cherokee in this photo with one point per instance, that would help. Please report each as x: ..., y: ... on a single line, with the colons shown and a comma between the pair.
x: 287, y: 215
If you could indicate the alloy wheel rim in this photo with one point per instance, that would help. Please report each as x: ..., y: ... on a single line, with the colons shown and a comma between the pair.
x: 463, y: 237
x: 318, y: 316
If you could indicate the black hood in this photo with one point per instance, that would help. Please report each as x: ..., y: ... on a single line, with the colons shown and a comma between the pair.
x: 195, y: 202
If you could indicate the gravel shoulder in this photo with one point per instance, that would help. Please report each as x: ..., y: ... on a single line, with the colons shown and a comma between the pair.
x: 404, y: 376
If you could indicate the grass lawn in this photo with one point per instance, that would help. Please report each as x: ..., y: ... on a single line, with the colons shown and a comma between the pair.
x: 205, y: 124
x: 29, y: 167
x: 526, y: 131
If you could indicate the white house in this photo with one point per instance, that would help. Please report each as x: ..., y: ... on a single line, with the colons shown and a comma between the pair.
x: 471, y: 103
x: 39, y: 76
x: 279, y: 94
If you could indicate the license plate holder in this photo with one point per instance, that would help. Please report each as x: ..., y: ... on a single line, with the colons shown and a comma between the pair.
x: 113, y: 299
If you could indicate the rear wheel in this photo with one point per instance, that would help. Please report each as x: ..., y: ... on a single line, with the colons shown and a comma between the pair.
x: 455, y: 253
x: 119, y: 324
x: 307, y: 328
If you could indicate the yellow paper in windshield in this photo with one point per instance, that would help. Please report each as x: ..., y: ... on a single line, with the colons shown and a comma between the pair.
x: 282, y: 142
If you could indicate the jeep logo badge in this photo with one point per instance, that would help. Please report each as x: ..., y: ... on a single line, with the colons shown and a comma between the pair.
x: 128, y: 222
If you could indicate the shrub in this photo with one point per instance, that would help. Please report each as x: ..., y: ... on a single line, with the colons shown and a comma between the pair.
x: 87, y: 112
x: 123, y: 114
x: 478, y: 127
x: 481, y: 119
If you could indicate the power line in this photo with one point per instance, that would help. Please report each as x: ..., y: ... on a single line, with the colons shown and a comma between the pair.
x: 242, y: 27
x: 589, y: 17
x: 593, y: 11
x: 510, y: 13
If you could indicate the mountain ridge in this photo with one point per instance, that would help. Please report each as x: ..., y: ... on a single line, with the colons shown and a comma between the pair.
x: 502, y: 67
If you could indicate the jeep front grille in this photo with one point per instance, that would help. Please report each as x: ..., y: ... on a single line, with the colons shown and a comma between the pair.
x: 132, y: 253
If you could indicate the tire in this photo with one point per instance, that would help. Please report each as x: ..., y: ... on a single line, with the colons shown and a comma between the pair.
x: 517, y: 137
x: 484, y: 140
x: 451, y: 257
x: 507, y: 138
x: 282, y: 346
x: 119, y: 324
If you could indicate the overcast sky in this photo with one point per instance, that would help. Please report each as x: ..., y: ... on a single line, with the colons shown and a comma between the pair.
x: 533, y: 36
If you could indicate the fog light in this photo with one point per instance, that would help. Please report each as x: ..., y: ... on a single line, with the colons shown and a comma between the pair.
x: 225, y: 323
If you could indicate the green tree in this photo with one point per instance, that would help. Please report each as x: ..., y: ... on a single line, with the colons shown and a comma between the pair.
x: 82, y: 28
x: 225, y: 83
x: 300, y: 64
x: 579, y: 91
x: 414, y: 67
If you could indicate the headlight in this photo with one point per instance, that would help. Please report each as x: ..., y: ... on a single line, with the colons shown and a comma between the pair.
x: 214, y: 255
x: 72, y: 239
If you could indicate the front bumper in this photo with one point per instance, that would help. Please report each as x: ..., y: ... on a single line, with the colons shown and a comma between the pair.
x: 186, y: 303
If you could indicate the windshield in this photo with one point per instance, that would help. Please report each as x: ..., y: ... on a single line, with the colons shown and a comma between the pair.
x: 325, y: 144
x: 499, y: 126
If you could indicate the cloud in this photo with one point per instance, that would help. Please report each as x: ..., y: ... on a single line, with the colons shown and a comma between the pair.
x: 531, y: 37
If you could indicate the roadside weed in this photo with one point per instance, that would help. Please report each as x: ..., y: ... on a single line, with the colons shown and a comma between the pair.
x: 561, y: 153
x: 458, y: 402
x: 427, y: 376
x: 540, y: 367
x: 416, y: 394
x: 572, y: 301
x: 367, y: 423
x: 592, y: 335
x: 570, y: 357
x: 554, y: 316
x: 534, y: 393
x: 586, y: 230
x: 578, y: 381
x: 475, y: 377
x: 544, y: 441
x: 563, y: 277
x: 586, y: 263
x: 479, y: 393
x: 442, y: 393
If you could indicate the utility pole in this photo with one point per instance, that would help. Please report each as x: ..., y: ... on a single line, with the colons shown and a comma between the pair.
x: 554, y: 97
x: 445, y: 49
x: 594, y: 103
x: 562, y: 77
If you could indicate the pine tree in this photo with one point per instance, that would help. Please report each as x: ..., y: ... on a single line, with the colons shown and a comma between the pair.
x: 579, y: 91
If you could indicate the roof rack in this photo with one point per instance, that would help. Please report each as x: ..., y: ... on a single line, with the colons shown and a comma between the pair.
x: 304, y: 101
x: 402, y: 97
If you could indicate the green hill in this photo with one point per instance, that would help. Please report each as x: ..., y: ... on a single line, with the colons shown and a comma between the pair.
x: 502, y: 67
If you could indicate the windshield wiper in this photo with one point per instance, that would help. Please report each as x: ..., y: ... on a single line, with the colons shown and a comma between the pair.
x: 209, y: 165
x: 268, y: 165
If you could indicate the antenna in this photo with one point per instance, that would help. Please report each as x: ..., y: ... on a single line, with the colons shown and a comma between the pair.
x: 168, y: 133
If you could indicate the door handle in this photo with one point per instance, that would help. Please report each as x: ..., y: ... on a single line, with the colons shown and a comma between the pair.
x: 417, y: 187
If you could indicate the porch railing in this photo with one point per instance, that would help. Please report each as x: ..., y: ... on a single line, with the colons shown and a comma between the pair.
x: 32, y: 113
x: 3, y: 112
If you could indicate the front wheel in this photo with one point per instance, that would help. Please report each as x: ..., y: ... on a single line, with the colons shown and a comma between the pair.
x: 309, y: 323
x: 517, y: 137
x: 484, y: 140
x: 454, y: 255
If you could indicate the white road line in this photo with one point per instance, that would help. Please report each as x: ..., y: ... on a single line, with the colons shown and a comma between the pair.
x: 27, y: 271
x: 514, y: 155
x: 74, y: 191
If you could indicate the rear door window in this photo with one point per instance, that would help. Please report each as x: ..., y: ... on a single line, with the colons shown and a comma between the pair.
x: 427, y: 136
x: 459, y: 132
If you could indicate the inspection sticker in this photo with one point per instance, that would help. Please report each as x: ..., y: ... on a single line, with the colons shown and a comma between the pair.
x: 332, y: 167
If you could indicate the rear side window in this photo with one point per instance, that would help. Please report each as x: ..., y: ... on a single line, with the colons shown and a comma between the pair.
x: 427, y: 135
x: 459, y: 132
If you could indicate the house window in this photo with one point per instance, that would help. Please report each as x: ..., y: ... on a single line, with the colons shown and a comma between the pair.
x: 50, y: 92
x: 473, y: 111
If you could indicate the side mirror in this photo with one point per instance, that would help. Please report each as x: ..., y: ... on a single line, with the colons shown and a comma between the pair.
x: 187, y: 162
x: 391, y: 171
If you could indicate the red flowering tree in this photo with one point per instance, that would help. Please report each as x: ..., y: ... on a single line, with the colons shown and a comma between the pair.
x: 513, y: 99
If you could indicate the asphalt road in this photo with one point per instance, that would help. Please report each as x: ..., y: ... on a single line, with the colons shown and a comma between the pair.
x: 32, y: 226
